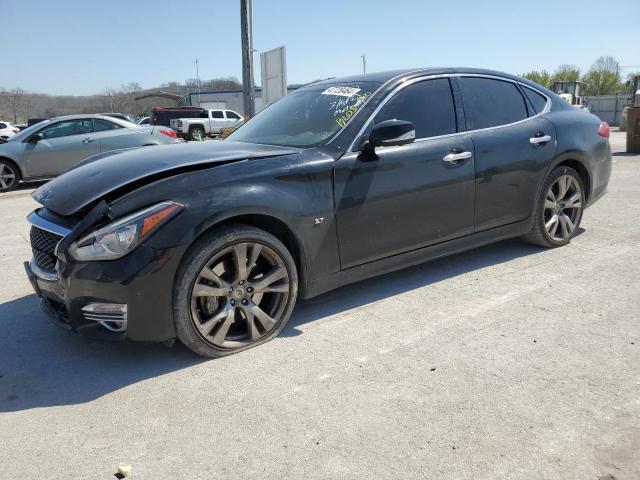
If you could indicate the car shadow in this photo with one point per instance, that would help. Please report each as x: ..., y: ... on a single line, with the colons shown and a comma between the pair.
x: 375, y: 289
x: 42, y: 365
x: 30, y: 185
x: 22, y: 189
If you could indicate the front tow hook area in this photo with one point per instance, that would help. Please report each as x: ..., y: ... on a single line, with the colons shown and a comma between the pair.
x: 32, y: 279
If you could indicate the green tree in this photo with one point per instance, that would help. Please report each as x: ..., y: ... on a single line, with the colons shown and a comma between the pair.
x: 541, y: 77
x: 603, y: 78
x: 566, y: 73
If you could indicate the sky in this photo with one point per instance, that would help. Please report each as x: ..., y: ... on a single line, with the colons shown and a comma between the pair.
x: 84, y: 47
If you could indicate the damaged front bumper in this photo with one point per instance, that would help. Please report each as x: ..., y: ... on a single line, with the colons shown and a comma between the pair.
x: 128, y: 298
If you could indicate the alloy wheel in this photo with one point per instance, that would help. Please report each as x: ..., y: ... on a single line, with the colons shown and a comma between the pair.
x: 239, y: 295
x: 7, y: 177
x: 562, y: 208
x: 197, y: 135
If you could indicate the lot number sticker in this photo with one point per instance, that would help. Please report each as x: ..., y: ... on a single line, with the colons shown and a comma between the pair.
x: 341, y: 91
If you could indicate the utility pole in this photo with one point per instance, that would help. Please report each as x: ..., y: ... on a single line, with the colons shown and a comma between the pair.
x: 246, y: 34
x: 364, y: 63
x: 198, y: 79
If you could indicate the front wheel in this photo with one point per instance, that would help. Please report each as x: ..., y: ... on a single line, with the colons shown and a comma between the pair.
x: 559, y: 209
x: 9, y: 176
x: 235, y: 289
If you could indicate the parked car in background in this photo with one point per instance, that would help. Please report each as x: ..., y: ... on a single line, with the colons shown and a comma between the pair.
x: 164, y: 115
x: 143, y: 121
x: 7, y: 130
x: 339, y: 181
x: 211, y: 123
x: 121, y: 116
x: 51, y: 147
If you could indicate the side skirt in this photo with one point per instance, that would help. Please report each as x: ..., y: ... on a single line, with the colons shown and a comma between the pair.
x: 321, y: 285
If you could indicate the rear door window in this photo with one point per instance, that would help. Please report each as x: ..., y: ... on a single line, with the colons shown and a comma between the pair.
x: 490, y: 103
x: 217, y: 114
x: 103, y: 125
x: 427, y: 104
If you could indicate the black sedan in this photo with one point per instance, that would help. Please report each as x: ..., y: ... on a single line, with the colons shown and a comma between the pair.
x: 213, y: 242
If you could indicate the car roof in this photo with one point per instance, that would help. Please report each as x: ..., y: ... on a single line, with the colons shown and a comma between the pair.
x: 383, y: 77
x: 117, y: 120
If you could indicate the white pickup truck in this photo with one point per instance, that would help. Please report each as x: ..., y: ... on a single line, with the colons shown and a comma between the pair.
x: 212, y: 122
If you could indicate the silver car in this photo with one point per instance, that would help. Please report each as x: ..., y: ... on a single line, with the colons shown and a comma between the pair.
x: 50, y: 147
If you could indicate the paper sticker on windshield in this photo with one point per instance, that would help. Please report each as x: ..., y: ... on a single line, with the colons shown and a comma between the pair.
x: 341, y: 91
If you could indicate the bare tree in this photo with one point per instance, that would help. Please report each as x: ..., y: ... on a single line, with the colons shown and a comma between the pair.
x: 16, y: 103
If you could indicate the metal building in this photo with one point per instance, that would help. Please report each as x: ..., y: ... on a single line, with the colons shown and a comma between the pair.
x: 225, y: 99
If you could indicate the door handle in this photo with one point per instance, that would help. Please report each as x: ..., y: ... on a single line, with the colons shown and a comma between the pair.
x: 88, y: 140
x: 538, y: 140
x: 454, y: 157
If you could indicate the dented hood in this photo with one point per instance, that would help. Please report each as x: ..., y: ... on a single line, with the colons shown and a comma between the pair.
x: 103, y: 174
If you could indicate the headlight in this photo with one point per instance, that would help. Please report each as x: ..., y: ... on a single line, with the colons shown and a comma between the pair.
x: 122, y: 236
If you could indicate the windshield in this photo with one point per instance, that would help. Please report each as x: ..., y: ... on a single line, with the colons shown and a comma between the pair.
x: 306, y: 117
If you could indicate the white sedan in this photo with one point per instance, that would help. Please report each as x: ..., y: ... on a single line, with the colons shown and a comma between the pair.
x: 7, y: 130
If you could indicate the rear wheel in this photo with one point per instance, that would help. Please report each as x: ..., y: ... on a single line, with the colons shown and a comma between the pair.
x: 196, y: 134
x: 9, y: 176
x: 559, y: 209
x: 236, y: 289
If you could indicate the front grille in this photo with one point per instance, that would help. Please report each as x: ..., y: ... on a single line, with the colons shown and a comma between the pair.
x: 43, y: 245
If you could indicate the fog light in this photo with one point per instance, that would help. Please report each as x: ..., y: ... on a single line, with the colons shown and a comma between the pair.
x: 112, y: 316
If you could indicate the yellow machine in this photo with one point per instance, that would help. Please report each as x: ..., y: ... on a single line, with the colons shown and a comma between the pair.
x: 634, y: 90
x: 570, y: 92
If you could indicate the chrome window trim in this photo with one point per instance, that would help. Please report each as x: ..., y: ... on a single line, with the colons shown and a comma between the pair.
x: 546, y: 109
x: 37, y: 221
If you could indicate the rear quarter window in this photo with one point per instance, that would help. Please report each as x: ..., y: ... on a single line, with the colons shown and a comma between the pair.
x: 537, y: 100
x: 490, y: 103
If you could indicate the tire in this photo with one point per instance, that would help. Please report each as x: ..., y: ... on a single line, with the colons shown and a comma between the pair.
x: 220, y: 308
x: 564, y: 188
x: 196, y: 134
x: 9, y: 176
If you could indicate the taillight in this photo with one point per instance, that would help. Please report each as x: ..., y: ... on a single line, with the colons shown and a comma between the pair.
x: 15, y: 130
x: 169, y: 133
x: 603, y: 129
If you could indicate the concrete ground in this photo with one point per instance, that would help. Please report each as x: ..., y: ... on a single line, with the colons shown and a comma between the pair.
x: 508, y: 361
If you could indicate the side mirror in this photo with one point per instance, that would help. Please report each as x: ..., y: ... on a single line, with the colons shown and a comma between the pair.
x: 35, y: 138
x: 390, y: 133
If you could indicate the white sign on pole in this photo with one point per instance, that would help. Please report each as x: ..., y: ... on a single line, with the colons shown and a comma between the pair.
x: 273, y: 64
